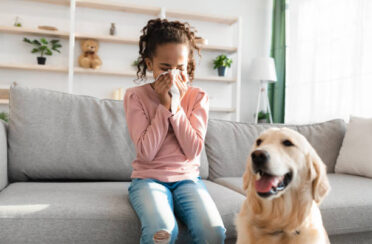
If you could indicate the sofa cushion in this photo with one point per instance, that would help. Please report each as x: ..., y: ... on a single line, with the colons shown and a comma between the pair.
x: 228, y: 143
x: 3, y: 155
x: 347, y: 208
x: 59, y: 136
x: 86, y: 212
x: 234, y: 183
x: 355, y: 156
x: 354, y: 238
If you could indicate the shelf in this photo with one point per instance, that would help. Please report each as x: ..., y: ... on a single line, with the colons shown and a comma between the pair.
x: 33, y: 31
x: 215, y: 79
x: 222, y: 110
x: 58, y: 2
x: 155, y: 11
x: 108, y: 38
x: 202, y: 17
x: 35, y: 67
x: 219, y: 48
x: 4, y: 101
x: 104, y: 72
x: 116, y: 6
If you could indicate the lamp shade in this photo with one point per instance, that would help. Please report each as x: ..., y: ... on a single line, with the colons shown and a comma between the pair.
x: 263, y: 69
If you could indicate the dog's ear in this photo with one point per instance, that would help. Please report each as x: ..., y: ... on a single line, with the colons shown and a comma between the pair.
x: 320, y: 184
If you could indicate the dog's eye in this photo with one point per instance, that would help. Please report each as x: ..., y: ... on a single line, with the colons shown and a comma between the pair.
x: 258, y: 142
x: 287, y: 143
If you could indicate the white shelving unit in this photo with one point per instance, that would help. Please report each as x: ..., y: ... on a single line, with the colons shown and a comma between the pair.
x: 162, y: 12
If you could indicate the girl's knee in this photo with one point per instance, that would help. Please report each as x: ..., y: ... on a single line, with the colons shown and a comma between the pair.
x: 161, y: 236
x: 219, y: 234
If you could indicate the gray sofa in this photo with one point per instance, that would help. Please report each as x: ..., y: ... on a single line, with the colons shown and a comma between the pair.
x: 65, y: 164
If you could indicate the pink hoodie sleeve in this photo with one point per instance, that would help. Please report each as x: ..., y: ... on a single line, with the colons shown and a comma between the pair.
x: 191, y: 132
x: 147, y: 134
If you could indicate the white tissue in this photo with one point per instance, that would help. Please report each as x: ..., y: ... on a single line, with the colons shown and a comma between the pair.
x: 173, y: 90
x: 175, y: 93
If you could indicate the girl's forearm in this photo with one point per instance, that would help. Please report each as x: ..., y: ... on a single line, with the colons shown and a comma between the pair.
x: 147, y: 135
x: 190, y: 135
x: 152, y: 137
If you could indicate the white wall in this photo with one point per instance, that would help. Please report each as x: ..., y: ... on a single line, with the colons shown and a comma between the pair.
x: 256, y: 23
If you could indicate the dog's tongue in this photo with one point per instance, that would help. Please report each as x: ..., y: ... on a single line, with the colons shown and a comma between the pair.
x: 266, y: 182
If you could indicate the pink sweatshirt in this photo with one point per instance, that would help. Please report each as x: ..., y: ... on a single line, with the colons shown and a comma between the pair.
x: 168, y: 145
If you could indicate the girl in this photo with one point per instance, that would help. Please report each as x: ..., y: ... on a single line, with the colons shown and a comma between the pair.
x: 165, y: 178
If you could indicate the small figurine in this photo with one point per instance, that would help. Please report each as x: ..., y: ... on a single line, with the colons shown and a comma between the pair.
x: 113, y: 29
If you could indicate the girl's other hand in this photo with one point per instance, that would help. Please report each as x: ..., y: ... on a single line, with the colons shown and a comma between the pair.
x: 181, y: 82
x: 161, y: 87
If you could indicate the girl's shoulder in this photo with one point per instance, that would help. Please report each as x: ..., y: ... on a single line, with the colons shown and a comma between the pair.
x: 137, y: 91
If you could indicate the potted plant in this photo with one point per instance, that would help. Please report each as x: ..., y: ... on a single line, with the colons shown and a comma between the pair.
x: 220, y: 63
x: 262, y: 116
x: 17, y: 23
x: 4, y: 116
x: 42, y: 46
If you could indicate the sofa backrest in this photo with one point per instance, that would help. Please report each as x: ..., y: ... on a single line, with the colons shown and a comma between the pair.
x: 54, y: 135
x: 228, y: 143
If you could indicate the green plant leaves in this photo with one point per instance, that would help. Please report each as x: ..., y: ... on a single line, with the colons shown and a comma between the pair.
x: 36, y: 42
x: 44, y: 41
x: 263, y: 115
x: 4, y: 116
x: 42, y: 46
x: 48, y: 52
x: 27, y: 40
x: 35, y: 50
x: 222, y: 61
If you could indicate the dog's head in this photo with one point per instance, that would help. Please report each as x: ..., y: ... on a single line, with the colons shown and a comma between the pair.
x: 282, y: 160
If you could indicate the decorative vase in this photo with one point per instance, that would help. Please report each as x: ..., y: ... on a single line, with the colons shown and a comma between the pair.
x: 221, y: 71
x: 113, y: 29
x: 41, y: 60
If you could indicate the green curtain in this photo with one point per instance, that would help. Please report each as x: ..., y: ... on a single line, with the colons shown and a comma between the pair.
x: 276, y: 91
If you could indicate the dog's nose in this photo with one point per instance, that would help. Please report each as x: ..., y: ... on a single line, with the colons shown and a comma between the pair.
x: 260, y: 157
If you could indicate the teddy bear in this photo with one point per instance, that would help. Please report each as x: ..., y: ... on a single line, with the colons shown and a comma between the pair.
x: 89, y: 57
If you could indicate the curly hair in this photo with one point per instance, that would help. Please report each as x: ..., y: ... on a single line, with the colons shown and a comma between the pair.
x: 160, y: 31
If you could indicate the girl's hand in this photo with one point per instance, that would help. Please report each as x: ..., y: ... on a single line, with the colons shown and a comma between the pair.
x: 181, y: 82
x: 161, y: 87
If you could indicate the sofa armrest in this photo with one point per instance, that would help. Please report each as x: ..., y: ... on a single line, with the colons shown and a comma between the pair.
x: 3, y: 155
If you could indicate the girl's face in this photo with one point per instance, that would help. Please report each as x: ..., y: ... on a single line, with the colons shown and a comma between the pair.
x: 168, y: 56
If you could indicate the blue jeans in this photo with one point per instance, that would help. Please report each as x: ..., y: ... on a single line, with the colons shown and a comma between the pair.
x: 157, y: 203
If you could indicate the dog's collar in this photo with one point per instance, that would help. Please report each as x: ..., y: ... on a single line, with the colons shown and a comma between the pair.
x: 296, y: 232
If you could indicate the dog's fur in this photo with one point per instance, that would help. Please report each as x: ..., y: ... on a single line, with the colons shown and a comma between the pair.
x: 292, y: 215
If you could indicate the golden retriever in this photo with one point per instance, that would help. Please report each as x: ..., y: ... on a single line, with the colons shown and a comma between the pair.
x: 285, y: 181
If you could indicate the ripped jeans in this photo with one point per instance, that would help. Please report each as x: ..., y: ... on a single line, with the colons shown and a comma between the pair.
x: 157, y: 203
